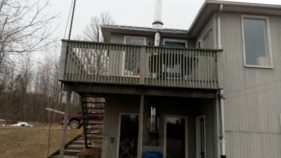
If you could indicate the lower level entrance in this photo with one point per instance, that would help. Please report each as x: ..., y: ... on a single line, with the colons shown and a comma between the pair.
x: 170, y: 129
x: 128, y: 136
x: 175, y: 139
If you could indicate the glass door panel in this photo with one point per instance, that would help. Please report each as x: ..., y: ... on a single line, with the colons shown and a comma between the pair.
x: 175, y: 137
x: 128, y: 138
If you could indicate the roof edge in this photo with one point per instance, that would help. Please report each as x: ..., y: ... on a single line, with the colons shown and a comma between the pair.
x: 216, y: 3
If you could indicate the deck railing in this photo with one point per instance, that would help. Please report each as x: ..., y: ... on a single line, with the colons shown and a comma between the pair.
x: 140, y: 65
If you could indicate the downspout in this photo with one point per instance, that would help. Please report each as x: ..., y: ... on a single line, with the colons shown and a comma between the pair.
x: 280, y: 120
x: 221, y: 93
x: 157, y: 38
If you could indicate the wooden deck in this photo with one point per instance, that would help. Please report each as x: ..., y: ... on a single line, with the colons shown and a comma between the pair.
x: 140, y: 65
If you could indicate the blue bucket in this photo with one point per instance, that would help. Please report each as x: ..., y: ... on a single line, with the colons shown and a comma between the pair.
x: 152, y: 154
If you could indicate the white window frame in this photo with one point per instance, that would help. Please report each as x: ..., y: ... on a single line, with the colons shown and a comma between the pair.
x: 268, y: 41
x: 175, y: 40
x: 198, y: 143
x: 199, y: 42
x: 123, y: 54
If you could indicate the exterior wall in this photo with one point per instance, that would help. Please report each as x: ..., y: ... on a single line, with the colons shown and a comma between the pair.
x: 252, y: 104
x: 190, y: 108
x: 207, y: 34
x: 115, y: 105
x: 119, y: 38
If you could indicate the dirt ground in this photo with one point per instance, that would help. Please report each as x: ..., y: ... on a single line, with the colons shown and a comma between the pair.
x: 29, y: 142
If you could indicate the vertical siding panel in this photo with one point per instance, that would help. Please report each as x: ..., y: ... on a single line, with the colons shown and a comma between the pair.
x: 253, y: 98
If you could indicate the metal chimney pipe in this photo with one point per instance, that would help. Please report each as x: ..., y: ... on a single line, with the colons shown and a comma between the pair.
x: 157, y: 24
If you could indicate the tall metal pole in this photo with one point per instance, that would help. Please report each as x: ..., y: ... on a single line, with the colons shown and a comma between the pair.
x: 71, y: 22
x: 70, y: 31
x: 68, y: 96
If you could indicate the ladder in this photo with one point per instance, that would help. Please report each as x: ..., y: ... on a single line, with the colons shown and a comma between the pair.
x: 93, y: 114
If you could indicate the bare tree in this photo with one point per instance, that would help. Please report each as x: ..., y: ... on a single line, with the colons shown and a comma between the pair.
x: 23, y: 26
x: 92, y: 31
x: 96, y: 59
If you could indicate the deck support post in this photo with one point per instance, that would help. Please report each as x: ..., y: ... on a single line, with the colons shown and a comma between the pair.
x: 65, y: 123
x: 139, y: 155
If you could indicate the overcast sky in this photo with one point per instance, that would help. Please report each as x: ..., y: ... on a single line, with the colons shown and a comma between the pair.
x: 175, y: 14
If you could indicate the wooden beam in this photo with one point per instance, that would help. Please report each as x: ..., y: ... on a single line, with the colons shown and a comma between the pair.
x: 140, y: 137
x: 65, y: 123
x: 139, y: 90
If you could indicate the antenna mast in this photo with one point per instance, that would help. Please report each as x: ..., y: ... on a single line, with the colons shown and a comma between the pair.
x: 66, y: 109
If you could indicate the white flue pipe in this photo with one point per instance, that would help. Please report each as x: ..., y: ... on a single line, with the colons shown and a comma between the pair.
x: 158, y: 10
x: 157, y: 24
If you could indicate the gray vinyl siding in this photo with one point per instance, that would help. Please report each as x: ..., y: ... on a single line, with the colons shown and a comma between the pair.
x: 119, y: 38
x: 115, y: 105
x: 207, y: 34
x: 252, y: 104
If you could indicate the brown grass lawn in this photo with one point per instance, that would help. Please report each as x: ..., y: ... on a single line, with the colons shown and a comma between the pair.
x: 31, y: 142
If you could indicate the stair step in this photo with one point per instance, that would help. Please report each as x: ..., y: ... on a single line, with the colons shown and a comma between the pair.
x: 76, y: 146
x: 71, y: 152
x: 93, y: 133
x: 65, y: 156
x: 94, y: 107
x: 95, y: 146
x: 93, y: 125
x: 93, y: 111
x: 90, y: 122
x: 93, y: 130
x: 93, y: 101
x: 79, y: 142
x: 94, y: 136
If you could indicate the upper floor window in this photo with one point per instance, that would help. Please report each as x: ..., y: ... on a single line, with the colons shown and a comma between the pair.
x: 175, y: 43
x: 132, y: 57
x: 256, y: 45
x: 134, y: 40
x: 199, y: 44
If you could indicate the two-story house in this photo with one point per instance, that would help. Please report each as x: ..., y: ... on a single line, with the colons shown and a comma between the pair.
x: 207, y: 92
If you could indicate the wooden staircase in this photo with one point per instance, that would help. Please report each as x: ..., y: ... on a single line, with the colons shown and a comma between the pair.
x: 92, y: 136
x: 72, y: 148
x: 93, y: 127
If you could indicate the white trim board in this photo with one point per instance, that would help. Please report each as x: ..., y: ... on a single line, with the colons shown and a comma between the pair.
x: 198, y: 136
x: 174, y: 40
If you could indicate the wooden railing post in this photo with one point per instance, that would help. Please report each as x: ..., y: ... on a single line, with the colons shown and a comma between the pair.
x: 142, y: 65
x: 62, y: 62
